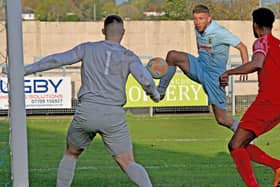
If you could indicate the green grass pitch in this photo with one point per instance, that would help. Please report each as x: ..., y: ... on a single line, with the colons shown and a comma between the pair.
x: 177, y: 151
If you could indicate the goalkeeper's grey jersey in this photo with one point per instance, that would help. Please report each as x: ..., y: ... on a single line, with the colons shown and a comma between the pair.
x: 104, y: 71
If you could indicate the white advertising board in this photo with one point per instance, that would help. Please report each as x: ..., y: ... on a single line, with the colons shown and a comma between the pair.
x: 41, y: 92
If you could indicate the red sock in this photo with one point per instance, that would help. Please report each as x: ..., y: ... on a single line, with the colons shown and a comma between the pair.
x: 257, y: 155
x: 243, y: 166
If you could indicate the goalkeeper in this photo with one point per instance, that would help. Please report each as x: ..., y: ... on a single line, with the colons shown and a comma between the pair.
x: 105, y: 68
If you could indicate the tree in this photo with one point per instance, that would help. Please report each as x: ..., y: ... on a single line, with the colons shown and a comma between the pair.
x: 108, y: 8
x: 139, y: 4
x: 51, y: 10
x: 30, y: 3
x: 275, y: 7
x: 56, y: 10
x: 175, y: 9
x: 90, y: 10
x: 86, y: 10
x: 128, y: 11
x: 227, y: 9
x: 234, y: 10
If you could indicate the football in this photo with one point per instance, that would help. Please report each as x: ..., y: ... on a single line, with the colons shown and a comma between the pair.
x: 157, y: 67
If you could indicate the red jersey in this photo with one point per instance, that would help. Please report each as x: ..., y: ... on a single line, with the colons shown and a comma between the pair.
x: 269, y: 74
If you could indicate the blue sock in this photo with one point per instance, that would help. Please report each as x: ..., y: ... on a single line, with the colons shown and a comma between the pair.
x: 235, y: 125
x: 164, y: 81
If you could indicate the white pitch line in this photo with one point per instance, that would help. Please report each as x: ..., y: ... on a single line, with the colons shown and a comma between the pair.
x: 169, y: 118
x: 156, y: 167
x: 185, y: 139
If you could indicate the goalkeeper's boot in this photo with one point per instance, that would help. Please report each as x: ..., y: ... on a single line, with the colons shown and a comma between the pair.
x: 276, y: 182
x: 161, y: 92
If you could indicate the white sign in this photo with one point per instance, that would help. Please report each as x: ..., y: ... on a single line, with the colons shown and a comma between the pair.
x: 41, y: 92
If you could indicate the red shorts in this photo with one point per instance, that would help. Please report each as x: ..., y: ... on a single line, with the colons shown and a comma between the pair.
x: 260, y: 117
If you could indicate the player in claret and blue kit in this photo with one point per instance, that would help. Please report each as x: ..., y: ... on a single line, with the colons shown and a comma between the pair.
x: 213, y: 43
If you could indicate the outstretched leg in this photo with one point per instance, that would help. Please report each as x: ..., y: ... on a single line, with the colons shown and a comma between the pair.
x: 259, y: 156
x: 174, y: 59
x: 181, y: 60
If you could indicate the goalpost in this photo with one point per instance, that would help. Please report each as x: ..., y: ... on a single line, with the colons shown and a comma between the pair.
x: 17, y: 114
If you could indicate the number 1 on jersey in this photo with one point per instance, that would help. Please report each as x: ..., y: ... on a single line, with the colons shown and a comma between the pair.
x: 108, y: 60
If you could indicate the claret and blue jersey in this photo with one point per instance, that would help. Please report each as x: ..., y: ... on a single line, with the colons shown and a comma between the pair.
x: 213, y: 46
x: 213, y: 50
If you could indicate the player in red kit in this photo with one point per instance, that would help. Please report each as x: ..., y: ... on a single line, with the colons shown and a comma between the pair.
x: 264, y: 113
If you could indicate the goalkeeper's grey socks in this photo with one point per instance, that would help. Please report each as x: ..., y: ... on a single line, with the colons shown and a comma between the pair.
x: 138, y: 175
x: 164, y: 81
x: 66, y: 171
x: 234, y: 125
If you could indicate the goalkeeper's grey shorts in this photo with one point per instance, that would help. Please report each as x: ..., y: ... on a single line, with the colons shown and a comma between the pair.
x: 109, y: 121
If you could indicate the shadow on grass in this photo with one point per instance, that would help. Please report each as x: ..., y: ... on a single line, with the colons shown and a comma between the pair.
x: 181, y: 163
x: 170, y: 164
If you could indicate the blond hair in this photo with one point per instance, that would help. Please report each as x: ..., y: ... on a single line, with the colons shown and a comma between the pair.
x: 201, y: 9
